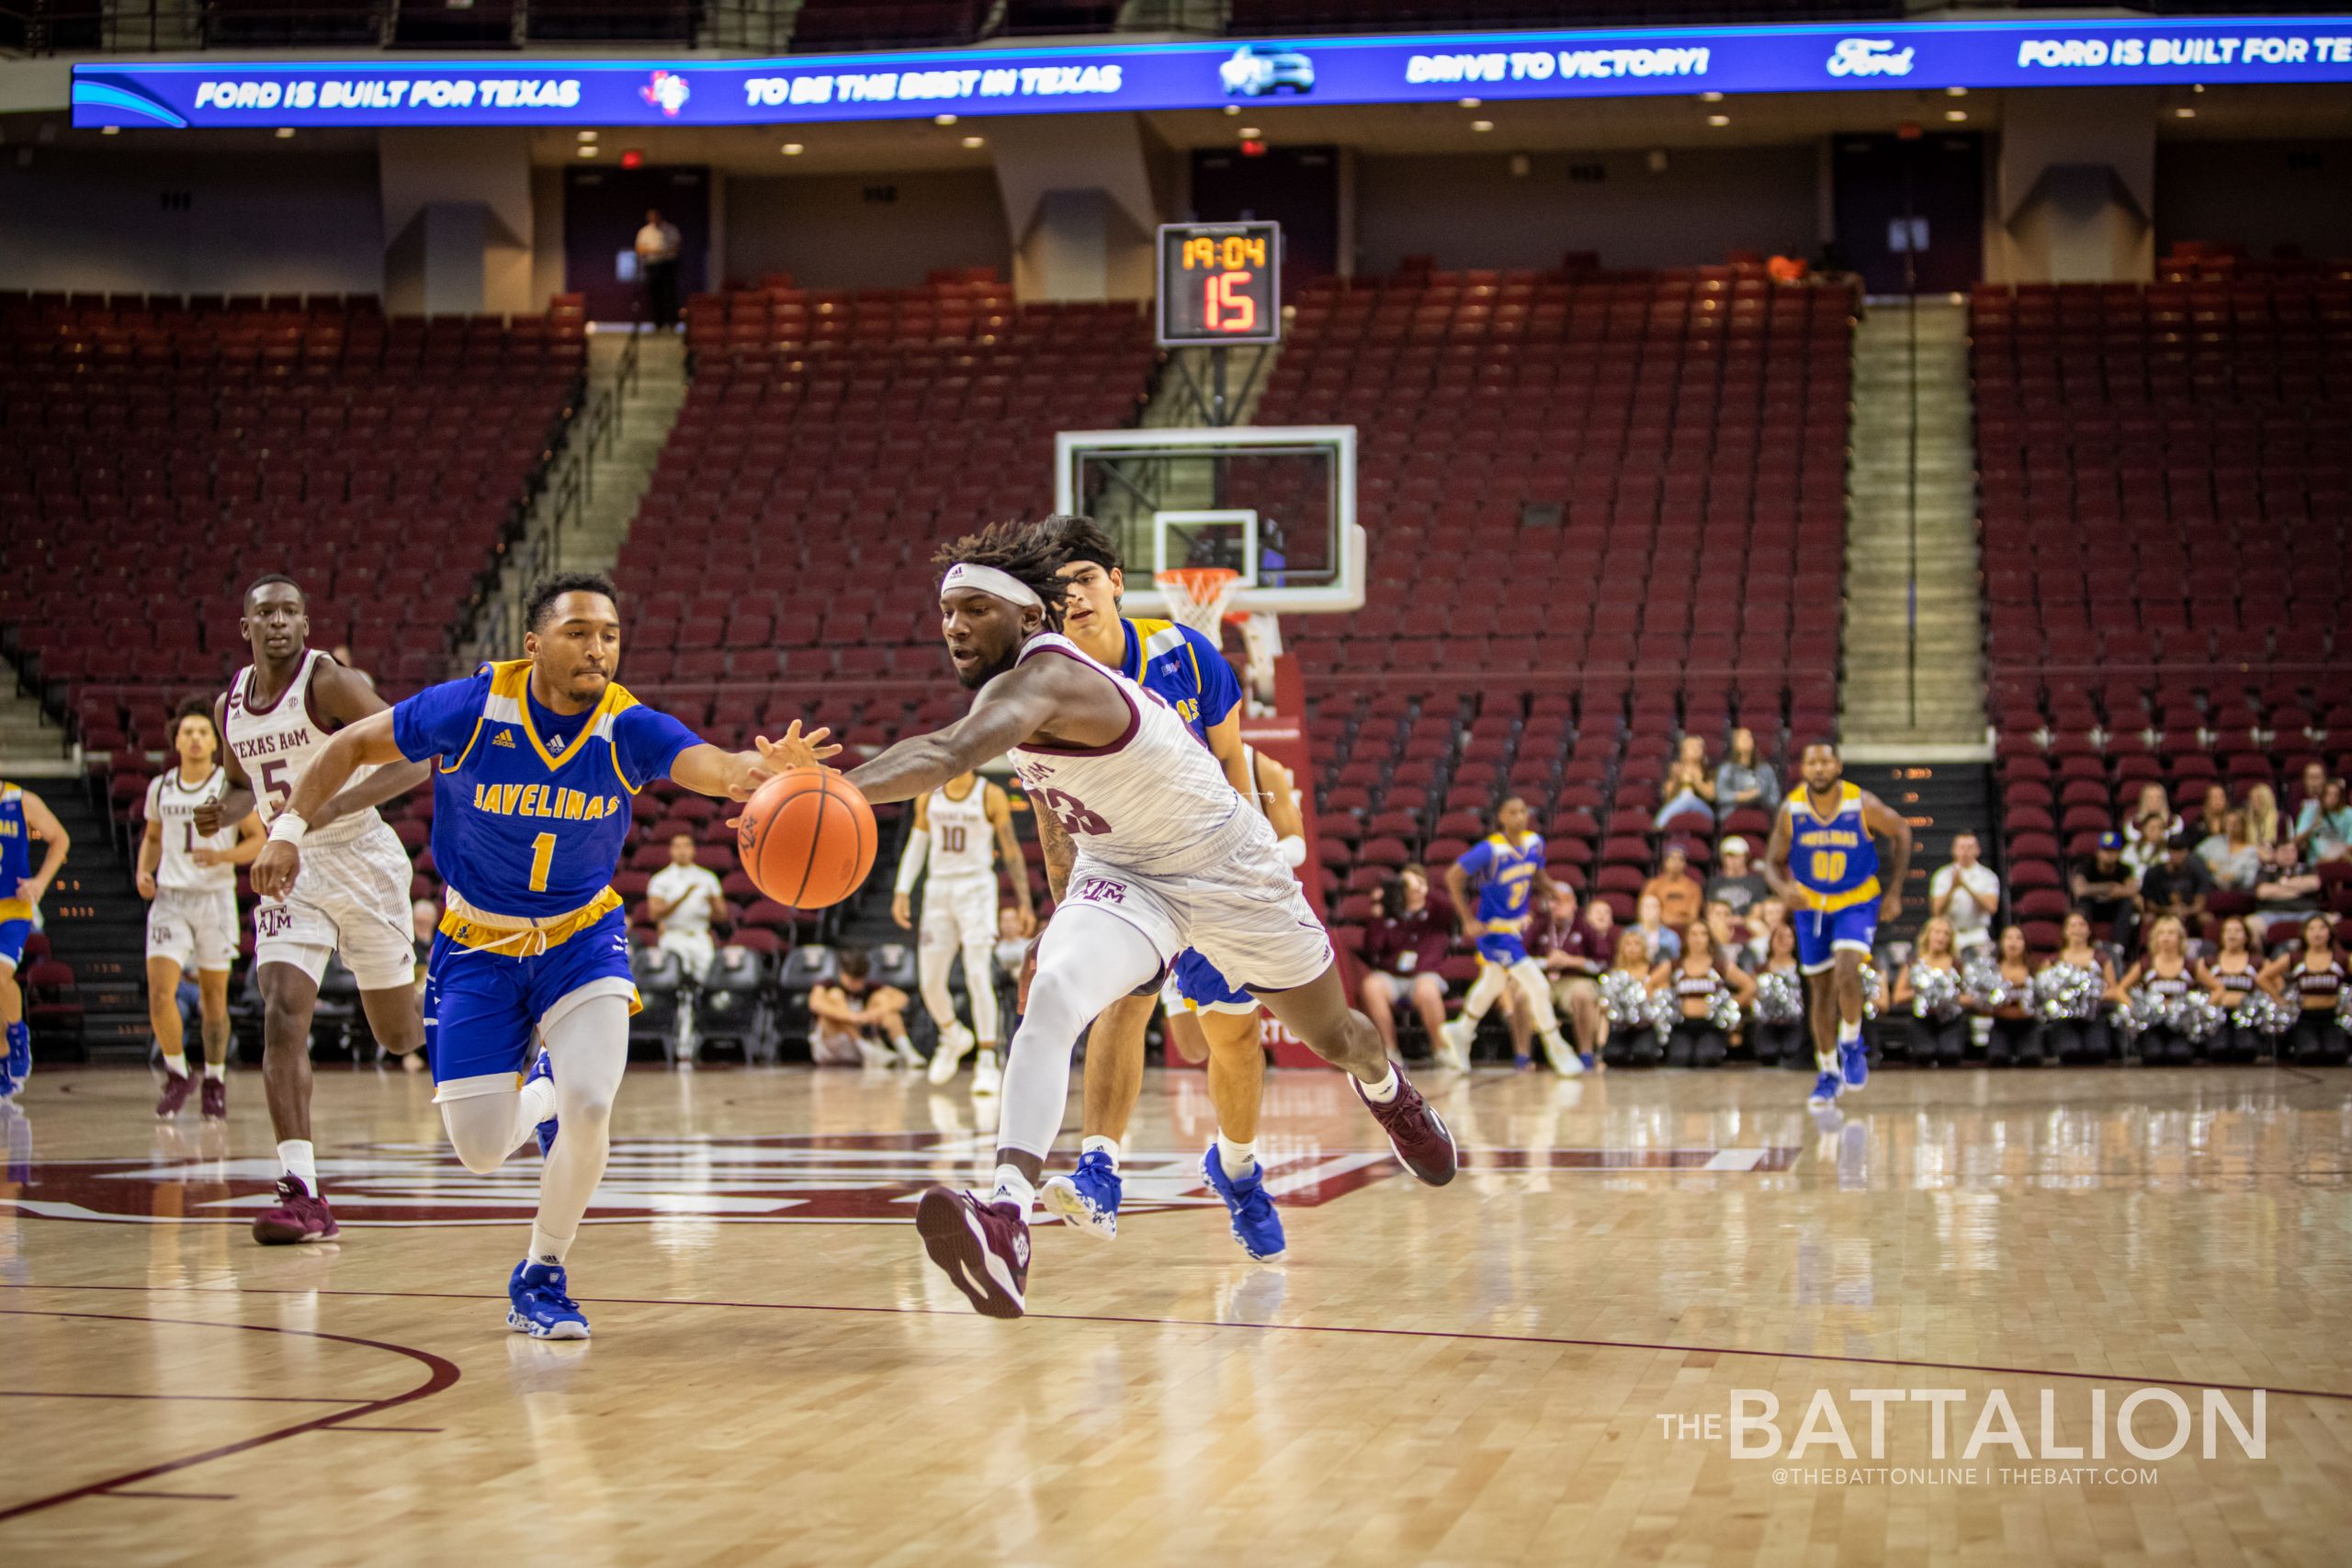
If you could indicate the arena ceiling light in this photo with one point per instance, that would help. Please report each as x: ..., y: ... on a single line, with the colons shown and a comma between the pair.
x: 1482, y: 125
x: 2010, y: 49
x: 1956, y: 116
x: 588, y: 136
x: 1719, y: 120
x: 792, y: 149
x: 943, y: 119
x: 974, y: 144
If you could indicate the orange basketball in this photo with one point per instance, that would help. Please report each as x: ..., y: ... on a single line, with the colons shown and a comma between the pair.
x: 807, y: 837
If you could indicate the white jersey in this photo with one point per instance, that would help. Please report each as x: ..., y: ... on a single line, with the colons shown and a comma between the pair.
x: 1153, y: 799
x: 275, y: 744
x: 963, y: 840
x: 172, y: 806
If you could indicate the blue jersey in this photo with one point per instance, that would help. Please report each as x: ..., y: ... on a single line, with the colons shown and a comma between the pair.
x: 16, y: 853
x: 1184, y: 667
x: 1832, y: 858
x: 1504, y: 873
x: 530, y: 808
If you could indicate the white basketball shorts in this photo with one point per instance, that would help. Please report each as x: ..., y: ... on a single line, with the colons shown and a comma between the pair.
x: 350, y: 898
x: 1245, y: 913
x: 958, y: 913
x: 194, y: 929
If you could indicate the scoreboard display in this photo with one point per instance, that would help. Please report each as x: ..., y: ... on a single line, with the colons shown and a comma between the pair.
x: 1220, y: 283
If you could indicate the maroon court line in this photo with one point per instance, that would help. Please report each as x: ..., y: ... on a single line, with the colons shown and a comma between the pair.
x: 1893, y: 1362
x: 440, y: 1374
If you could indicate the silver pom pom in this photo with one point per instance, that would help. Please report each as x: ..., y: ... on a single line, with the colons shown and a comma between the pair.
x: 1665, y: 1009
x: 1873, y: 989
x: 2267, y: 1014
x: 2197, y: 1016
x: 2142, y: 1011
x: 1780, y: 996
x: 1722, y: 1010
x: 1625, y: 999
x: 2067, y: 991
x: 1982, y: 979
x: 2344, y: 1007
x: 1935, y: 993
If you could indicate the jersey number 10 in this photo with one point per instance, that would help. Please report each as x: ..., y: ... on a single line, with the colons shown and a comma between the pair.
x: 951, y: 840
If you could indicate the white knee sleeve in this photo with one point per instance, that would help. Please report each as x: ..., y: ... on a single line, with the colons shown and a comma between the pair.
x: 483, y: 1129
x: 979, y: 979
x: 588, y: 1048
x: 1536, y: 987
x: 1088, y: 960
x: 932, y: 962
x: 1485, y: 992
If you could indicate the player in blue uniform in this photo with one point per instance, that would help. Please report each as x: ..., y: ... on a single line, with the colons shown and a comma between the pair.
x: 1823, y: 864
x: 538, y: 760
x: 1508, y: 865
x: 23, y: 817
x: 1206, y: 1013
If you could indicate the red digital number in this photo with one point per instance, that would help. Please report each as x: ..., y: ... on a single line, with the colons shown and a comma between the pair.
x: 1226, y: 304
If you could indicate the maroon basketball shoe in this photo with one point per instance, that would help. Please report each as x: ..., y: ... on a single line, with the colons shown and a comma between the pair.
x: 175, y: 1087
x: 300, y: 1216
x: 216, y: 1099
x: 1414, y: 1131
x: 983, y: 1247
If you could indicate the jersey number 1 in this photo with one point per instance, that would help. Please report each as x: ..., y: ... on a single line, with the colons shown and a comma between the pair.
x: 542, y: 856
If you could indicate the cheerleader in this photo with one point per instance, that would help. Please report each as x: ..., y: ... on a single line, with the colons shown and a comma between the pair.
x: 2067, y: 992
x: 2152, y: 993
x: 2311, y: 984
x: 2234, y: 980
x: 1708, y: 990
x: 1776, y: 1030
x: 1929, y: 986
x: 2002, y: 988
x: 1628, y: 996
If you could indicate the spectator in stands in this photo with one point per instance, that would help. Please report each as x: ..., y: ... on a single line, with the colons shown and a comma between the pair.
x: 1746, y: 779
x: 2016, y: 1033
x: 2310, y: 783
x: 1767, y: 917
x: 2164, y: 973
x: 657, y: 264
x: 2230, y: 855
x: 1736, y: 882
x: 1967, y: 893
x: 2077, y: 982
x: 1702, y: 978
x: 2106, y: 891
x: 1928, y: 988
x: 1658, y: 938
x: 1678, y: 894
x: 1633, y: 1042
x: 1725, y: 928
x: 2216, y: 806
x: 1778, y: 1032
x: 1574, y: 955
x: 2176, y: 887
x: 2262, y: 823
x: 2144, y: 841
x: 682, y: 898
x: 2310, y: 982
x: 851, y: 1019
x: 2231, y: 978
x: 1405, y: 944
x: 2323, y: 824
x: 1689, y: 787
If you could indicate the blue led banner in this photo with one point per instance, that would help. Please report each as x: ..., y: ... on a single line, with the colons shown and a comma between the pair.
x: 810, y: 89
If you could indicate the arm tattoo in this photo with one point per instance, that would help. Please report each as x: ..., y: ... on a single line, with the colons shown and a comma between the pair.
x: 1060, y: 853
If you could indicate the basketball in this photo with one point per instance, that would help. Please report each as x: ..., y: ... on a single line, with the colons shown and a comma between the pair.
x: 807, y: 837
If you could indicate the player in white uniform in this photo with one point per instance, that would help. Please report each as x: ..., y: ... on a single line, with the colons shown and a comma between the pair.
x: 960, y: 828
x: 191, y: 878
x: 1149, y: 850
x: 353, y: 897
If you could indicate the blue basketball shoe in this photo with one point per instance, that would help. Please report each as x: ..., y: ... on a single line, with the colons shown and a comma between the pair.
x: 540, y: 1308
x: 1087, y: 1197
x: 546, y: 1130
x: 1854, y: 1062
x: 1255, y: 1224
x: 1826, y: 1089
x: 19, y: 1063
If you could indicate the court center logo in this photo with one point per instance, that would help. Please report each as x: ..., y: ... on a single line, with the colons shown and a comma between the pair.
x: 667, y: 92
x: 1870, y: 57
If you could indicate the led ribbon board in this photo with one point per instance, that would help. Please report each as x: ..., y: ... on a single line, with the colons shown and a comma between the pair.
x: 812, y: 89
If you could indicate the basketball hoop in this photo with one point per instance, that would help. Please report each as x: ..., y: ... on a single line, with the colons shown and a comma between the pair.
x: 1197, y: 595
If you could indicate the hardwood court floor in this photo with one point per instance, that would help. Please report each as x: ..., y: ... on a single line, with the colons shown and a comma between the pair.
x: 1500, y: 1371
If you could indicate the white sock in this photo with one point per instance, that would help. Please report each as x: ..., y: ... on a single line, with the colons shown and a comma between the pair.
x: 1238, y: 1158
x: 1849, y: 1035
x: 217, y: 1071
x: 546, y: 1248
x: 175, y: 1064
x: 987, y: 1058
x: 1383, y: 1092
x: 296, y: 1158
x: 1103, y: 1145
x: 1826, y: 1061
x: 1015, y: 1189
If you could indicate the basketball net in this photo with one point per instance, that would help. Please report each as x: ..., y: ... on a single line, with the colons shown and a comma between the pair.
x: 1202, y: 596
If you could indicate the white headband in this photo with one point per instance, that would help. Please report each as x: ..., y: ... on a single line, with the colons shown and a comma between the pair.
x: 988, y: 580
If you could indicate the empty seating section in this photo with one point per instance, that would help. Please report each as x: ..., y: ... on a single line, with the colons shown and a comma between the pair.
x: 1604, y: 508
x: 887, y: 24
x: 1278, y: 17
x: 2166, y: 478
x: 156, y: 454
x: 779, y: 567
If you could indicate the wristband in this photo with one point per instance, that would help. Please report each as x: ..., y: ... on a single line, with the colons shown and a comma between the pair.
x: 1293, y: 851
x: 287, y: 829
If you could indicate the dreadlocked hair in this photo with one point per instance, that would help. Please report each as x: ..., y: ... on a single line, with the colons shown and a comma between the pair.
x: 1028, y: 552
x: 1080, y: 539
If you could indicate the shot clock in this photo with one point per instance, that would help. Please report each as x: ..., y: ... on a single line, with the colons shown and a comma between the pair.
x: 1220, y: 283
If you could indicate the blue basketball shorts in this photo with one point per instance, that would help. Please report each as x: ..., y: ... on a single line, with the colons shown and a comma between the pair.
x: 1200, y: 986
x: 484, y: 1008
x: 1503, y: 949
x: 1822, y: 933
x: 14, y: 934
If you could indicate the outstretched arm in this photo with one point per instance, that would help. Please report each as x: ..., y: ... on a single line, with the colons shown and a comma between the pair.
x: 733, y: 775
x: 352, y: 748
x: 1072, y: 702
x: 1879, y: 818
x: 346, y: 697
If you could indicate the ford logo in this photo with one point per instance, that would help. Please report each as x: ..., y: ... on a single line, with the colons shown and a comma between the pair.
x: 1870, y: 57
